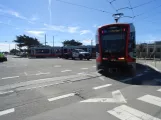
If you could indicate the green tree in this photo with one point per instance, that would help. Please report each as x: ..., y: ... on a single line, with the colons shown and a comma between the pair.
x: 14, y: 51
x: 71, y: 43
x: 26, y: 41
x: 141, y: 49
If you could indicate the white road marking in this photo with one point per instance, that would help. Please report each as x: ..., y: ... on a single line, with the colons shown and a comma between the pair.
x: 84, y: 68
x: 43, y: 73
x: 125, y: 112
x: 109, y: 100
x: 66, y: 70
x: 10, y: 77
x: 94, y: 66
x: 7, y: 111
x: 151, y: 99
x: 61, y: 97
x: 81, y: 73
x: 117, y: 97
x: 139, y: 75
x: 57, y: 66
x: 6, y: 92
x: 102, y: 78
x: 102, y: 86
x: 125, y: 80
x: 159, y: 89
x: 25, y: 73
x: 44, y: 81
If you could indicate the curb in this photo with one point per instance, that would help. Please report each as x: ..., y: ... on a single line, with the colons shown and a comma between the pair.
x: 153, y: 67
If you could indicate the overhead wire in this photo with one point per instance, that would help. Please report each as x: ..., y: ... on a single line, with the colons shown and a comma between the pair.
x: 148, y: 12
x: 84, y: 6
x: 131, y: 9
x: 112, y: 5
x: 143, y: 4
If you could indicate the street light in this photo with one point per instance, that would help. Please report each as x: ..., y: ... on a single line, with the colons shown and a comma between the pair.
x: 9, y: 45
x: 54, y: 39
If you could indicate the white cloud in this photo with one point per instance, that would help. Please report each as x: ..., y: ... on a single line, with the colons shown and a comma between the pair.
x: 5, y: 10
x: 61, y: 28
x: 72, y: 29
x: 82, y: 32
x: 34, y: 18
x: 14, y: 13
x: 36, y: 33
x: 54, y: 27
x: 95, y: 25
x: 88, y: 42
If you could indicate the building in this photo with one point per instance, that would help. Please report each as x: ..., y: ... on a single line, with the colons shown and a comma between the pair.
x: 149, y: 50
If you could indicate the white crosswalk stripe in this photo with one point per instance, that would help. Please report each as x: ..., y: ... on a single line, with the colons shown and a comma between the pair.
x: 125, y: 112
x: 151, y: 99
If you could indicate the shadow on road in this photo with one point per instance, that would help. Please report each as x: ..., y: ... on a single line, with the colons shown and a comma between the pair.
x: 78, y: 59
x: 44, y: 58
x: 19, y: 57
x: 144, y: 76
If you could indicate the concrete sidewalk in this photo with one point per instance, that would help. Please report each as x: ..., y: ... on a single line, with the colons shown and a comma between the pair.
x: 156, y: 65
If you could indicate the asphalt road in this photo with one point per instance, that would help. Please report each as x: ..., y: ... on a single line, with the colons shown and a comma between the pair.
x: 58, y: 89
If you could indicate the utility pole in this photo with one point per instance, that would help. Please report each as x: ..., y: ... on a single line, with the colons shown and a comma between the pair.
x: 154, y: 52
x: 91, y: 42
x: 53, y: 41
x: 45, y: 39
x: 9, y: 47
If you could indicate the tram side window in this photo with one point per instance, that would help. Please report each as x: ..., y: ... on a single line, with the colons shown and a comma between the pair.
x: 57, y: 51
x: 85, y: 49
x: 158, y: 49
x: 42, y: 51
x: 93, y: 49
x: 65, y: 50
x: 97, y: 48
x: 151, y: 49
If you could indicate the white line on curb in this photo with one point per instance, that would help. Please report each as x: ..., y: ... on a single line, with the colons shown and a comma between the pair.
x: 153, y: 67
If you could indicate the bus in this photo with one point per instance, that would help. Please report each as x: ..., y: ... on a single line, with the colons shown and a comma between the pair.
x: 116, y: 47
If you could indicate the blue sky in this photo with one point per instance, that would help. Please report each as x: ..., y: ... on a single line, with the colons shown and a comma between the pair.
x: 65, y: 21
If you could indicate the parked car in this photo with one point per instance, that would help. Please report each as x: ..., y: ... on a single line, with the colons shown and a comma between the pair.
x: 78, y: 53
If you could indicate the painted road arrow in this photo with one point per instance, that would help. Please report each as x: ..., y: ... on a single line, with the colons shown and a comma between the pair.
x: 117, y: 97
